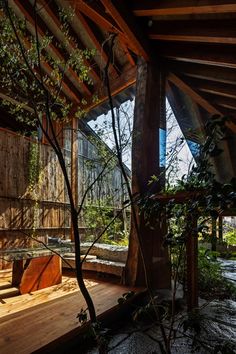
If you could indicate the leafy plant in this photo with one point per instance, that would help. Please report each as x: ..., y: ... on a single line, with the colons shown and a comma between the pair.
x: 211, y: 282
x: 230, y: 237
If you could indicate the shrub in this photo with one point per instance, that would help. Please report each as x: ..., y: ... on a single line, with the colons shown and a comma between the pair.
x: 212, y: 284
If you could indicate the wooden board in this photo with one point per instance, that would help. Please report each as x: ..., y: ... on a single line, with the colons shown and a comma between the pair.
x: 36, y: 327
x: 19, y: 303
x: 40, y: 273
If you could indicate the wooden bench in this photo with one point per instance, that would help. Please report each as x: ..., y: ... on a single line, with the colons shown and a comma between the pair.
x: 34, y: 269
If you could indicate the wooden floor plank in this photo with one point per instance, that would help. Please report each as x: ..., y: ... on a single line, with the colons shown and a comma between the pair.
x: 8, y: 292
x: 22, y: 302
x: 5, y: 284
x: 33, y: 328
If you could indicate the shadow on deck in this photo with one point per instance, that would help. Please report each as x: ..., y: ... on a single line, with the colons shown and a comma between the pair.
x: 44, y: 320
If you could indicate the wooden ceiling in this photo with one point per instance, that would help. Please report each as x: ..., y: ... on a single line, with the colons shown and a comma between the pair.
x: 195, y: 40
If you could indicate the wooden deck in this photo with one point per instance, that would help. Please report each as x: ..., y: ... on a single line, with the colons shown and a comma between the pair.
x: 32, y: 321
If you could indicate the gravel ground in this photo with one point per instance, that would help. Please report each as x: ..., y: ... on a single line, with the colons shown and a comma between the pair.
x: 218, y: 327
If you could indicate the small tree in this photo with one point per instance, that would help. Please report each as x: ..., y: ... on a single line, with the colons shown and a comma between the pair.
x: 36, y: 96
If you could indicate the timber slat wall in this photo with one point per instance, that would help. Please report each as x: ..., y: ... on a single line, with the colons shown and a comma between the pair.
x: 45, y: 208
x: 21, y: 209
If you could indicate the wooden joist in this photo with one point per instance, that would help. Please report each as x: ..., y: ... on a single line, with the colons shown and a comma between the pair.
x: 76, y: 84
x: 211, y: 87
x: 198, y: 98
x: 202, y: 31
x: 80, y: 25
x: 125, y: 20
x: 183, y: 7
x: 215, y: 55
x: 204, y: 72
x: 53, y: 23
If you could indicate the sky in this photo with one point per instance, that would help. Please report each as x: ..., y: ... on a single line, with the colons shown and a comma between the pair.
x: 178, y: 154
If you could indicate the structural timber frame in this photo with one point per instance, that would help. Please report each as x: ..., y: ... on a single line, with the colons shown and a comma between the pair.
x: 182, y: 49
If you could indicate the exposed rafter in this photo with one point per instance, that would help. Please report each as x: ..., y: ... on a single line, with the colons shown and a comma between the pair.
x: 204, y: 72
x: 211, y: 87
x: 126, y: 79
x: 198, y: 98
x: 100, y: 18
x: 202, y: 31
x: 4, y: 95
x: 193, y: 94
x: 221, y: 56
x: 80, y: 24
x: 54, y: 25
x: 126, y: 22
x: 76, y: 84
x: 183, y: 7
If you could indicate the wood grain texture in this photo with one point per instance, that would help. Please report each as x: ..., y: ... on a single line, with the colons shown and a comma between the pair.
x: 40, y: 273
x: 36, y: 327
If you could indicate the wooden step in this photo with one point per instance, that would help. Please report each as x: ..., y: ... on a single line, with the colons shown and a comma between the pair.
x: 5, y: 284
x: 5, y: 293
x: 5, y: 274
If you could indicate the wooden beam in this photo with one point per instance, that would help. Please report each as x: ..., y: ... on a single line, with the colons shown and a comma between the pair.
x: 198, y: 99
x: 72, y: 94
x: 190, y: 38
x: 95, y: 14
x: 100, y: 18
x: 203, y: 72
x: 183, y: 7
x: 193, y: 94
x: 219, y: 56
x: 211, y: 87
x: 212, y: 110
x: 4, y: 95
x: 218, y: 89
x: 128, y: 25
x: 54, y: 25
x: 192, y: 264
x: 126, y: 79
x: 127, y: 53
x: 228, y: 106
x: 81, y: 26
x: 227, y: 112
x: 74, y: 164
x: 203, y: 31
x: 220, y: 228
x: 227, y: 102
x: 149, y: 101
x: 213, y: 55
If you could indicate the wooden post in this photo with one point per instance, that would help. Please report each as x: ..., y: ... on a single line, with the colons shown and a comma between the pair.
x: 220, y: 228
x: 74, y: 163
x: 213, y: 234
x: 149, y: 103
x: 192, y: 264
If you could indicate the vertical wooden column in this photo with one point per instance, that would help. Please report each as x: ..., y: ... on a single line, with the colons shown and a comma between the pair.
x: 149, y: 103
x: 192, y: 264
x: 74, y: 162
x: 213, y: 234
x: 220, y: 228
